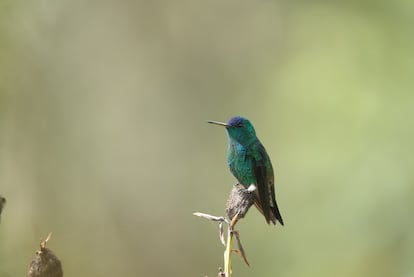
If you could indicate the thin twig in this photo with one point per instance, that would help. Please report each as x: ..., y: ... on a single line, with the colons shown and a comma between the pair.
x: 238, y: 204
x: 227, y: 253
x: 229, y: 243
x: 241, y: 249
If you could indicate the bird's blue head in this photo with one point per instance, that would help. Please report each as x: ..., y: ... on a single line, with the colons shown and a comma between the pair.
x: 239, y: 129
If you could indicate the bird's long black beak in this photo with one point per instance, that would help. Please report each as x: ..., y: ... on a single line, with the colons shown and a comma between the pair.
x: 219, y: 123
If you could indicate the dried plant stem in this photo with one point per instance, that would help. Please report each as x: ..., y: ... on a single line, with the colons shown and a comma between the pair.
x: 227, y: 252
x: 238, y: 203
x: 228, y: 243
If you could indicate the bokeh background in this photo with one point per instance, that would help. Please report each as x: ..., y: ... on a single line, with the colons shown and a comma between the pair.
x: 104, y: 141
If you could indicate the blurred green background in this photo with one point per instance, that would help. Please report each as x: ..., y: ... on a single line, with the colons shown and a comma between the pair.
x: 104, y: 141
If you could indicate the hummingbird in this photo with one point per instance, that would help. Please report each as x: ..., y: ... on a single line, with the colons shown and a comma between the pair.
x: 249, y: 162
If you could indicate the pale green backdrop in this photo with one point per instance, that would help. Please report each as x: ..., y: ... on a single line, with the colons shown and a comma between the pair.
x: 104, y: 140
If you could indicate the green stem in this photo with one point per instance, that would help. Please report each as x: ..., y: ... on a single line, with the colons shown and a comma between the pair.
x: 227, y: 253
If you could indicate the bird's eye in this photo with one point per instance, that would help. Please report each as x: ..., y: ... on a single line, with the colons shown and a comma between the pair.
x: 239, y: 125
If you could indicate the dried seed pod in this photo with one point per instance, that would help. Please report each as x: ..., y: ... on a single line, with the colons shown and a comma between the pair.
x: 45, y: 263
x: 239, y: 201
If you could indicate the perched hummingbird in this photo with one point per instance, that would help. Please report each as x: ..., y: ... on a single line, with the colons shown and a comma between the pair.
x: 249, y: 163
